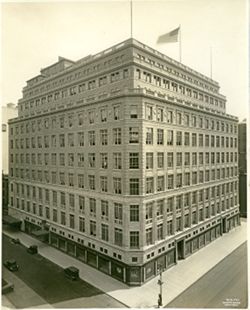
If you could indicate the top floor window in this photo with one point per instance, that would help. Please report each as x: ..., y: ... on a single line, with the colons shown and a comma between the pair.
x: 149, y: 112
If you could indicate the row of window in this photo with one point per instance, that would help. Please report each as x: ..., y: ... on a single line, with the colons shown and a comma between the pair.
x: 78, y: 139
x: 170, y: 159
x: 90, y: 227
x: 73, y: 120
x: 115, y: 184
x: 91, y: 116
x: 79, y: 202
x: 182, y: 89
x: 157, y: 113
x: 76, y: 89
x: 177, y: 73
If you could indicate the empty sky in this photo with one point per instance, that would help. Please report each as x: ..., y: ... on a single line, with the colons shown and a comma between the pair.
x: 34, y: 34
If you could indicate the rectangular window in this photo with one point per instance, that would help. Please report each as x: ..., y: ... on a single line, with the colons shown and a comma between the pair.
x: 92, y: 228
x: 170, y: 181
x: 149, y: 135
x: 187, y: 159
x: 81, y: 224
x: 117, y: 112
x: 178, y: 159
x: 103, y: 115
x: 133, y: 160
x: 118, y: 213
x: 149, y: 112
x: 149, y: 160
x: 117, y: 160
x: 149, y: 185
x: 80, y: 138
x: 134, y: 239
x: 133, y: 111
x: 104, y: 160
x: 160, y: 136
x: 117, y: 135
x: 104, y: 183
x: 80, y: 180
x: 134, y: 186
x: 117, y: 185
x: 170, y: 160
x: 160, y: 160
x: 104, y: 210
x: 80, y: 157
x: 149, y: 236
x: 160, y: 183
x: 133, y: 135
x: 160, y: 114
x: 178, y: 138
x: 72, y: 221
x: 92, y: 182
x: 134, y: 213
x: 104, y: 136
x: 118, y: 236
x: 91, y: 137
x: 179, y: 180
x: 186, y: 139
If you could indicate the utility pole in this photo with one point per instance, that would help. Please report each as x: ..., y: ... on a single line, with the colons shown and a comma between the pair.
x: 160, y: 283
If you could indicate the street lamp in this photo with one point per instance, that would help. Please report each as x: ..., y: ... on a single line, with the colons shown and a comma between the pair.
x: 160, y: 283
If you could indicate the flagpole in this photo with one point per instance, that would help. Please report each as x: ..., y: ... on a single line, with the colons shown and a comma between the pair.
x: 211, y: 62
x: 180, y: 43
x: 131, y: 19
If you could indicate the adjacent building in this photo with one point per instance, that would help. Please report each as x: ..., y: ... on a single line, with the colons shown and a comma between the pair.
x: 242, y: 137
x: 9, y: 111
x: 126, y: 160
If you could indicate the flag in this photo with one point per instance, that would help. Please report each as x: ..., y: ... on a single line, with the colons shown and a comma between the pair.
x: 169, y: 37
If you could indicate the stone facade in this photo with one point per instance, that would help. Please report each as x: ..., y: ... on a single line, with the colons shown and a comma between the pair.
x: 127, y: 158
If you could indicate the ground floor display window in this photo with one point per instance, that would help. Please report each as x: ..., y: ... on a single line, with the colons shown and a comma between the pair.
x: 103, y: 264
x: 80, y: 253
x: 170, y: 258
x: 117, y: 270
x: 201, y: 240
x: 149, y: 269
x: 53, y: 240
x: 134, y: 275
x: 187, y: 248
x: 62, y: 244
x: 208, y: 237
x: 71, y: 248
x: 195, y: 244
x: 92, y: 259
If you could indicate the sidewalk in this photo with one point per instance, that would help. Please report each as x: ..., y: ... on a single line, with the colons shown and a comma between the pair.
x: 176, y: 279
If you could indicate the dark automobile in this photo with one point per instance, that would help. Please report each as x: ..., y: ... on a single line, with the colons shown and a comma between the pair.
x: 15, y: 240
x: 32, y: 249
x: 11, y: 265
x: 72, y: 273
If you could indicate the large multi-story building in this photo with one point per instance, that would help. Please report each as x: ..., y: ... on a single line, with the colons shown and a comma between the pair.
x: 126, y: 160
x: 242, y: 137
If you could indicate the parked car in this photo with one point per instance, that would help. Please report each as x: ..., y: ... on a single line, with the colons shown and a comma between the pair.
x: 32, y: 249
x: 7, y: 287
x: 71, y: 273
x: 15, y: 240
x: 11, y: 265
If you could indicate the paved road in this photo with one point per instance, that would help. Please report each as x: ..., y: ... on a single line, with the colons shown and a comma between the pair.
x: 225, y: 286
x: 48, y: 281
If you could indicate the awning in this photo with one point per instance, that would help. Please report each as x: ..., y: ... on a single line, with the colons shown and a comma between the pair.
x: 39, y: 233
x: 10, y: 220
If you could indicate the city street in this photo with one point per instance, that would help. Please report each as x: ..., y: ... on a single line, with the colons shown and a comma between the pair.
x: 223, y: 286
x: 48, y: 281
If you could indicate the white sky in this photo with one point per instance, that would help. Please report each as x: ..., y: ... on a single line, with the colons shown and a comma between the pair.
x: 34, y: 34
